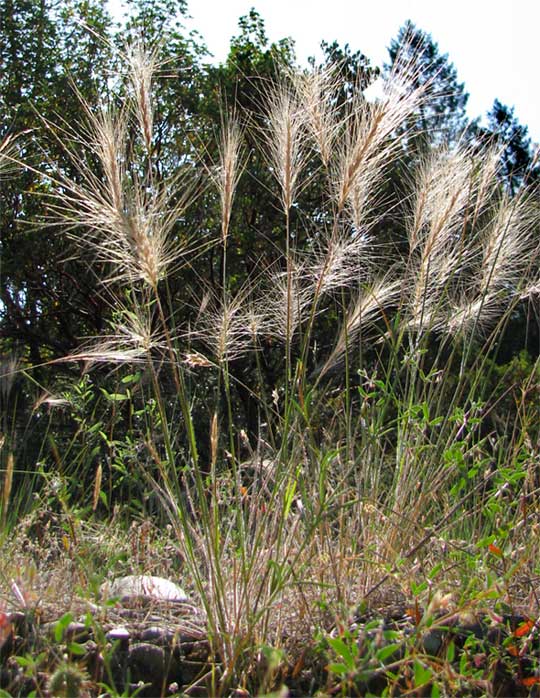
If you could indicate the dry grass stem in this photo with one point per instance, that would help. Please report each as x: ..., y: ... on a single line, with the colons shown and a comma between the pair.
x: 7, y: 486
x: 214, y: 436
x: 97, y: 487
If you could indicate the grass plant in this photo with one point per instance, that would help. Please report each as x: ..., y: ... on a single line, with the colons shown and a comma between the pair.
x: 380, y: 468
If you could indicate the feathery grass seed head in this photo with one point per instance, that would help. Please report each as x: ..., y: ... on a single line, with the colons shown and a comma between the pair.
x: 367, y: 144
x: 142, y: 64
x: 8, y: 157
x: 316, y: 90
x: 222, y: 327
x: 508, y: 244
x: 134, y: 340
x: 228, y: 171
x: 341, y: 260
x: 288, y: 301
x: 369, y: 307
x: 128, y: 214
x: 286, y: 140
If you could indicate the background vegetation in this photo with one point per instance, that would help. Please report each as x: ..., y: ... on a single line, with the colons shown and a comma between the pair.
x: 297, y: 327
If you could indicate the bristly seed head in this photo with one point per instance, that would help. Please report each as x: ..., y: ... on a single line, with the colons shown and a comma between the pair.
x: 227, y: 172
x: 286, y: 139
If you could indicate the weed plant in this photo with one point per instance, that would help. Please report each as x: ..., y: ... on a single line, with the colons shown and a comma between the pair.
x: 382, y: 462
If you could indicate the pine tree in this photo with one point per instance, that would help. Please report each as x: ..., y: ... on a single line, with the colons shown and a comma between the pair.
x: 441, y: 118
x: 517, y: 158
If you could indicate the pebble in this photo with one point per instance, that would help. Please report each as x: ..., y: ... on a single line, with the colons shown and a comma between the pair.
x: 143, y: 653
x: 77, y: 632
x: 157, y: 635
x: 146, y: 662
x: 119, y: 634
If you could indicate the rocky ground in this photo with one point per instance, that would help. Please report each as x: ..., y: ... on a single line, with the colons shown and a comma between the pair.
x: 142, y: 635
x: 149, y: 646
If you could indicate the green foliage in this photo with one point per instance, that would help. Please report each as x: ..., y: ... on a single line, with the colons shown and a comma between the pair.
x: 36, y: 291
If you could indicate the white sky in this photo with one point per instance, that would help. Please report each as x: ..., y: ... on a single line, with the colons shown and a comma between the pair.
x: 494, y: 44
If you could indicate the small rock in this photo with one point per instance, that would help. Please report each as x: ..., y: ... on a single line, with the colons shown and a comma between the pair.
x: 93, y: 661
x: 146, y: 663
x: 119, y: 634
x: 432, y: 641
x: 191, y: 671
x: 20, y: 621
x: 78, y: 632
x: 154, y: 618
x: 196, y: 691
x: 143, y: 586
x: 158, y: 635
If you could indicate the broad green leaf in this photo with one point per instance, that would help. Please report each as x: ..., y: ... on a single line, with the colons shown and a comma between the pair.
x: 435, y: 571
x: 76, y: 649
x: 132, y: 378
x: 422, y: 674
x: 116, y: 397
x: 343, y: 650
x: 387, y: 651
x: 337, y: 668
x: 60, y: 626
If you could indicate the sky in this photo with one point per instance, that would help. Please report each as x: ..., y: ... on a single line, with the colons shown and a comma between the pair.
x: 492, y: 44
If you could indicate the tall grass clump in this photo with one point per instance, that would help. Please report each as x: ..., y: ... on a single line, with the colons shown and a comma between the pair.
x: 370, y: 365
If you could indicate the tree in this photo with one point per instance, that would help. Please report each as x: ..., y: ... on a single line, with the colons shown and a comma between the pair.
x: 354, y: 68
x: 43, y: 302
x: 441, y: 117
x: 46, y: 301
x: 518, y: 164
x: 48, y: 297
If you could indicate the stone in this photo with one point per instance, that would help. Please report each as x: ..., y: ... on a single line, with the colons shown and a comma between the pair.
x: 20, y: 621
x: 158, y: 635
x: 78, y: 632
x: 117, y: 661
x: 94, y: 661
x: 119, y: 634
x: 146, y: 663
x: 141, y: 586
